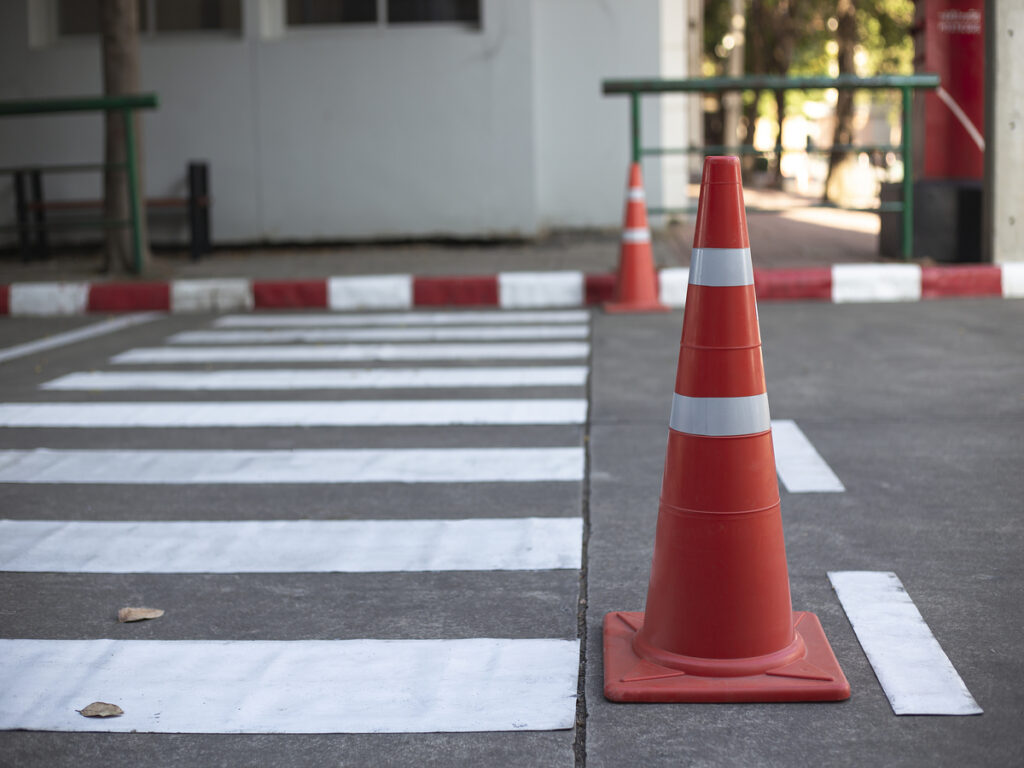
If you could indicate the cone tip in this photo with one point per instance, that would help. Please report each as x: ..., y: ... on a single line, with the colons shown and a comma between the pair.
x: 721, y: 169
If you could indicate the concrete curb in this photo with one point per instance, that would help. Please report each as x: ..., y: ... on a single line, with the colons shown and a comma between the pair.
x: 509, y: 290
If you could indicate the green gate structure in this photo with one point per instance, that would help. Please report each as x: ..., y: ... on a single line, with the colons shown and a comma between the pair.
x: 126, y: 105
x: 906, y: 84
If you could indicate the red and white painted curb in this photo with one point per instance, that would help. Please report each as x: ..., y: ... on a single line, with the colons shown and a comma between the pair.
x: 840, y: 283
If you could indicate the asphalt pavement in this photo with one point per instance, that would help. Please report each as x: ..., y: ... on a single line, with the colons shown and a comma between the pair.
x: 917, y: 408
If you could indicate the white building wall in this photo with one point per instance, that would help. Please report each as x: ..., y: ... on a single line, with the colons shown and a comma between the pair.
x: 361, y: 132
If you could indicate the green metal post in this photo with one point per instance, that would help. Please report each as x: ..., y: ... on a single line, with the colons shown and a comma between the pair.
x: 133, y: 188
x: 634, y: 108
x: 907, y: 144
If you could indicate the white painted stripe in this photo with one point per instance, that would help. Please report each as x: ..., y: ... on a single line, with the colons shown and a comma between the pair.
x: 290, y: 546
x: 410, y: 319
x: 913, y: 670
x: 721, y: 267
x: 369, y: 292
x: 321, y: 335
x: 413, y: 465
x: 79, y: 334
x: 876, y: 282
x: 635, y: 193
x: 42, y: 299
x: 214, y: 295
x: 330, y: 378
x: 636, y: 235
x: 961, y: 116
x: 801, y: 468
x: 672, y: 283
x: 1013, y: 280
x: 330, y: 413
x: 306, y: 686
x: 719, y: 416
x: 540, y: 289
x: 356, y: 353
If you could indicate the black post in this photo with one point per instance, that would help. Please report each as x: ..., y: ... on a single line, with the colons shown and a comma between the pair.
x: 39, y: 214
x: 199, y: 209
x: 21, y: 212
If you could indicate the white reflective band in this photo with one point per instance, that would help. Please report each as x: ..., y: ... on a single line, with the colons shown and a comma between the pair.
x: 719, y: 416
x: 721, y: 267
x: 636, y: 235
x: 636, y: 193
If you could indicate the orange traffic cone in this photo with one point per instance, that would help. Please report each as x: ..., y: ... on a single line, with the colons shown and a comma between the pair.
x: 636, y: 288
x: 719, y: 624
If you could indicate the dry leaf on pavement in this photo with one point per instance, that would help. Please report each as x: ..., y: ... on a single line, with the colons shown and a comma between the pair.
x: 101, y: 709
x: 138, y: 614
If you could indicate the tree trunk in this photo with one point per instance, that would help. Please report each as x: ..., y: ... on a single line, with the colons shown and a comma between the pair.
x: 119, y: 25
x: 846, y: 37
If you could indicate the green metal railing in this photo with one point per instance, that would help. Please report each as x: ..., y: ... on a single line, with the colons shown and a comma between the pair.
x: 126, y: 105
x: 906, y: 84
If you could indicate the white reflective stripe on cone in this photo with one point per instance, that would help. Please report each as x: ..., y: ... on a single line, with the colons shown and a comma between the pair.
x: 719, y: 416
x: 636, y: 193
x: 720, y: 267
x: 636, y: 235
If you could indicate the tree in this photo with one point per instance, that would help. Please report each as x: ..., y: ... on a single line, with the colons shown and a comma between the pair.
x: 119, y: 31
x: 846, y: 38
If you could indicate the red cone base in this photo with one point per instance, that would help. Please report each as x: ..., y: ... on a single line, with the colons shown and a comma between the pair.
x: 806, y: 671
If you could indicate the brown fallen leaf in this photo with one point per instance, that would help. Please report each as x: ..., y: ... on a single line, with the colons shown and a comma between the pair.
x: 101, y: 709
x: 138, y: 614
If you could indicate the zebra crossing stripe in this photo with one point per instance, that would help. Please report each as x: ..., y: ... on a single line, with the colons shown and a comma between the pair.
x: 306, y: 686
x: 181, y: 467
x: 411, y: 319
x: 355, y: 353
x: 913, y: 670
x: 801, y: 468
x: 290, y: 546
x: 346, y: 413
x: 79, y: 334
x: 321, y: 335
x: 327, y: 378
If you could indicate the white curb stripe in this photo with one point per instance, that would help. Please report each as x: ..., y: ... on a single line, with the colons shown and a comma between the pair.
x: 42, y: 299
x: 222, y: 295
x: 540, y: 289
x: 719, y: 416
x: 1013, y: 280
x: 356, y: 353
x: 801, y: 468
x: 911, y: 666
x: 637, y: 235
x: 313, y: 319
x: 876, y: 282
x: 351, y: 413
x: 369, y: 292
x: 321, y: 335
x: 672, y: 283
x: 331, y: 378
x: 425, y: 465
x: 290, y: 546
x: 307, y: 686
x: 721, y: 267
x: 79, y: 334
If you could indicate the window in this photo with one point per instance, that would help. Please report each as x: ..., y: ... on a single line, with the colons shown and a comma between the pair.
x: 82, y: 17
x: 312, y: 12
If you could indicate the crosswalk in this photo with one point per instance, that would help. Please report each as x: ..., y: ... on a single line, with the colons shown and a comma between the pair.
x: 518, y: 371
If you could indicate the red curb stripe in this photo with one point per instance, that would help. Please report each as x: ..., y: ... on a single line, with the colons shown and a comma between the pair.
x: 129, y: 297
x: 289, y: 294
x: 598, y: 289
x: 479, y: 290
x: 972, y: 280
x: 812, y: 283
x: 5, y: 299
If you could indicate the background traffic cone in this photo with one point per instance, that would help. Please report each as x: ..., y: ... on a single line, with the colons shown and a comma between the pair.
x: 719, y: 625
x: 636, y: 288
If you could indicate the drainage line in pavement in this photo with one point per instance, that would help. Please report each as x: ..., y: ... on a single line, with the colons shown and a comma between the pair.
x: 579, y: 746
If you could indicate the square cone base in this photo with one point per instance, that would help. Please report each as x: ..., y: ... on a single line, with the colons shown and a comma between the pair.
x: 626, y: 307
x: 628, y: 677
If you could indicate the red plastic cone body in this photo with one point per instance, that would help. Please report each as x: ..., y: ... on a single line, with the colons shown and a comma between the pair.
x: 636, y: 287
x: 719, y: 624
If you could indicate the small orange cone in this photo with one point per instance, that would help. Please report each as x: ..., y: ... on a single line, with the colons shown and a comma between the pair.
x: 719, y: 624
x: 636, y: 288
